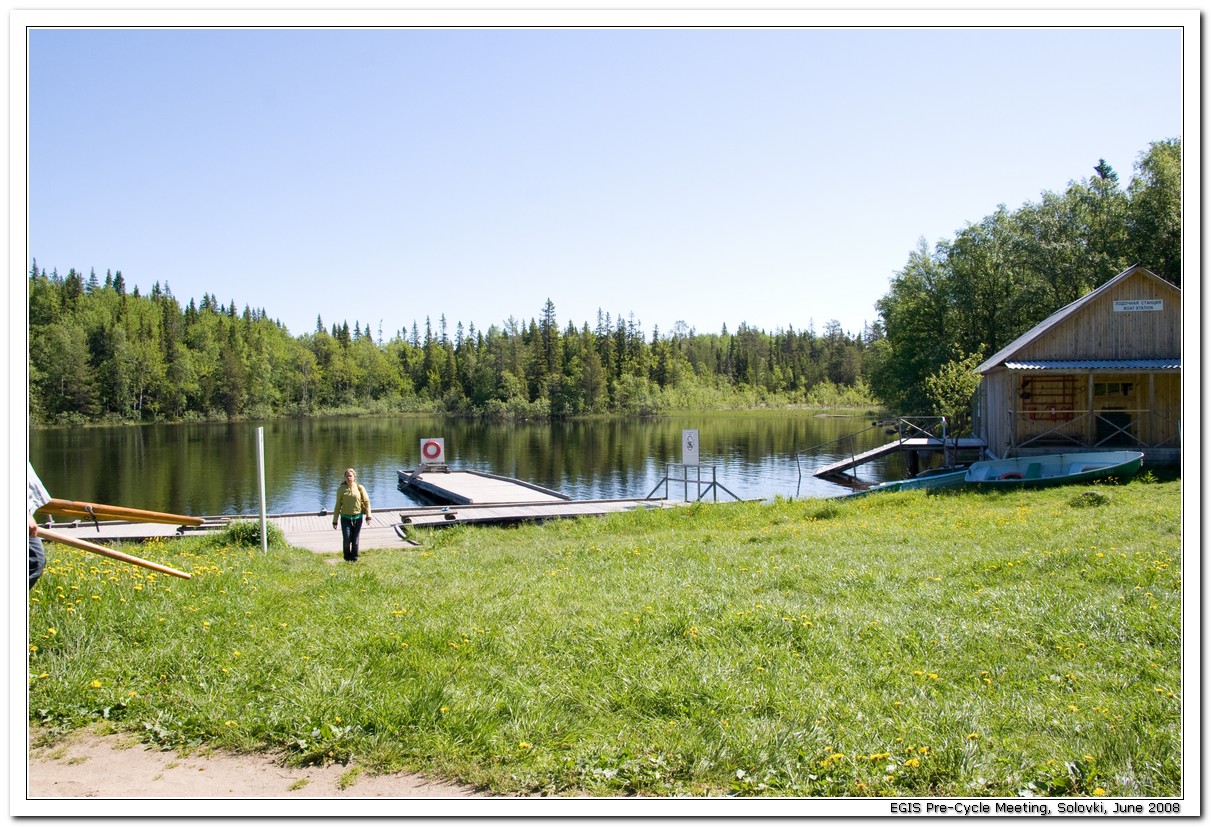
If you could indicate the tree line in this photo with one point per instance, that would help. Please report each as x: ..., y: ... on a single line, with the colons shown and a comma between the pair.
x: 102, y: 353
x: 957, y: 303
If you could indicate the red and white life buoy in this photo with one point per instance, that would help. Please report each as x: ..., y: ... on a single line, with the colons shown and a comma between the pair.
x: 433, y: 450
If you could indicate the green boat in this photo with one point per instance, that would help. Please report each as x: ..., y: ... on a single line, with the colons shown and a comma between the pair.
x: 1052, y: 469
x: 931, y: 479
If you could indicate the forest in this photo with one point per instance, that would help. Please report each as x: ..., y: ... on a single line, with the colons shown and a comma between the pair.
x: 102, y: 353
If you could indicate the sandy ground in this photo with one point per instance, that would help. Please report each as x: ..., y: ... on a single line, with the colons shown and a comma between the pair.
x: 89, y: 766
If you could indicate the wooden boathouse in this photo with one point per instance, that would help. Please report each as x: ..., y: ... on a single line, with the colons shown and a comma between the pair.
x: 1101, y: 373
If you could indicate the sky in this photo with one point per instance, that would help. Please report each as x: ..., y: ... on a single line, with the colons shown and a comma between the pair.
x: 777, y: 177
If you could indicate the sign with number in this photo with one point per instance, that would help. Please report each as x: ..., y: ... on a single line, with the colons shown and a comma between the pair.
x: 433, y: 451
x: 689, y: 447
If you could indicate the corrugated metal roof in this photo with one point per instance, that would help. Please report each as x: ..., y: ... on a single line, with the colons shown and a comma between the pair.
x: 1097, y: 364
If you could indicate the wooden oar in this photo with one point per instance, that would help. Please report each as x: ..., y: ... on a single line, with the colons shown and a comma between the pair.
x: 98, y: 511
x: 107, y: 552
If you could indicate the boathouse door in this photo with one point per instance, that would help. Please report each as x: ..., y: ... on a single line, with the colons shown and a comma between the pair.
x: 1114, y: 405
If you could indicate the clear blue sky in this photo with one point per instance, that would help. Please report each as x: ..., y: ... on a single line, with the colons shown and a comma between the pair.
x: 778, y: 177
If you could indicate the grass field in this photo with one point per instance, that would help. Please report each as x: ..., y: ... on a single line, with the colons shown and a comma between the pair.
x: 963, y: 644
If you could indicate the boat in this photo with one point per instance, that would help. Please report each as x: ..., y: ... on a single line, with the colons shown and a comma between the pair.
x: 931, y: 479
x: 1053, y: 469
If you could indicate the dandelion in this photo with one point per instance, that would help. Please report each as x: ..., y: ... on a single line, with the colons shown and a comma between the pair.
x: 95, y: 684
x: 974, y: 736
x: 524, y: 745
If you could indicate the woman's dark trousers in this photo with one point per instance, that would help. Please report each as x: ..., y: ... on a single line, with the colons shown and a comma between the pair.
x: 351, y: 529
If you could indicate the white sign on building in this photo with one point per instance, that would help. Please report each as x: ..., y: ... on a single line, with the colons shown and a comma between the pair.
x: 1138, y: 305
x: 689, y: 447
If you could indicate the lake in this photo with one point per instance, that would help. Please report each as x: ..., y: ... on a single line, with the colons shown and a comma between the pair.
x: 211, y: 468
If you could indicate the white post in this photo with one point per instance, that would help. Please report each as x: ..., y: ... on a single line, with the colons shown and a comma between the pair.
x: 260, y: 462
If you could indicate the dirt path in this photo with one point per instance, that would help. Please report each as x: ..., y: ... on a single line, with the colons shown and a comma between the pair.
x: 85, y: 765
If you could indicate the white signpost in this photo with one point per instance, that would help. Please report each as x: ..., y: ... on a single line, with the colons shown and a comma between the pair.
x: 689, y: 447
x: 260, y: 466
x: 433, y: 451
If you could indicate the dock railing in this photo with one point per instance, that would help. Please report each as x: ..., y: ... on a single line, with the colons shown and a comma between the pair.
x: 849, y: 440
x: 712, y: 486
x: 1138, y: 429
x: 932, y: 429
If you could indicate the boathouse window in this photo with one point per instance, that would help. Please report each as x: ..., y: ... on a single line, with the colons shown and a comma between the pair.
x: 1113, y: 388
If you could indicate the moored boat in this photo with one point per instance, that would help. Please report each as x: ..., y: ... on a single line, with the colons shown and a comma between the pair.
x: 931, y: 479
x: 1053, y: 469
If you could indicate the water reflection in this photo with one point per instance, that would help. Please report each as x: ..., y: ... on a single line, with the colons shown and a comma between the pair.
x: 212, y: 468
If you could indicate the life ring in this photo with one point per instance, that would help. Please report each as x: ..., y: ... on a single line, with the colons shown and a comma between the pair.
x: 1011, y: 475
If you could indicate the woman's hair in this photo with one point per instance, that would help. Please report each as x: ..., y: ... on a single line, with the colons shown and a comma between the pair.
x: 351, y: 471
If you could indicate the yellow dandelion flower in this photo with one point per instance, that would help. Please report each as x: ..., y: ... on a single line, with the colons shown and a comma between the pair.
x: 524, y: 745
x: 95, y: 684
x: 974, y: 736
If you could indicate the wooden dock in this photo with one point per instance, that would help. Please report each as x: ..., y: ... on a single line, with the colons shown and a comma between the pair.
x: 388, y: 528
x: 919, y: 443
x: 457, y: 497
x: 445, y: 487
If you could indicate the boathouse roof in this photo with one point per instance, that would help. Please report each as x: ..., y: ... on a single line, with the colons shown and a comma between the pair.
x: 1095, y: 364
x: 1060, y: 317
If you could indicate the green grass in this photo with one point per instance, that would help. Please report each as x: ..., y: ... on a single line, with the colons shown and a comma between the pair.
x: 903, y: 644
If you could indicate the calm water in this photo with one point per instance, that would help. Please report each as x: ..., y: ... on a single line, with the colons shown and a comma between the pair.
x: 211, y: 469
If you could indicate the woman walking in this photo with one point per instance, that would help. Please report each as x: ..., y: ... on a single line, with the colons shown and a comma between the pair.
x: 352, y: 504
